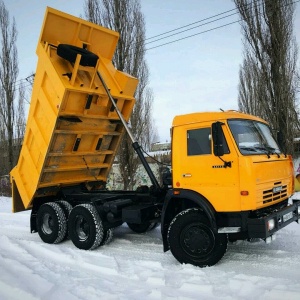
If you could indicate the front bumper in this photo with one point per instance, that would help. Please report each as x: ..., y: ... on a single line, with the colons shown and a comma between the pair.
x: 259, y: 228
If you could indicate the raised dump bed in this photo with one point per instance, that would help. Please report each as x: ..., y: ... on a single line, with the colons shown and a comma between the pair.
x: 72, y: 132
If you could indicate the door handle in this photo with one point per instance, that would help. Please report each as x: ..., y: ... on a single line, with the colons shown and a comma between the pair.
x: 187, y: 175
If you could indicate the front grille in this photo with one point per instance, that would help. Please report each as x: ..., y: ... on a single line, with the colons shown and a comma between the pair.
x: 271, y: 196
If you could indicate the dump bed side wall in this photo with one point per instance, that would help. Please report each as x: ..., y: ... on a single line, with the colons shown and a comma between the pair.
x: 72, y: 132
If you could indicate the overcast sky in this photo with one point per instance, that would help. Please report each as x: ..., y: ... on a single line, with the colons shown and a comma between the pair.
x: 195, y: 74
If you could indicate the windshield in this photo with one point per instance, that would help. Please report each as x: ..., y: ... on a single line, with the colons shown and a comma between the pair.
x: 253, y: 137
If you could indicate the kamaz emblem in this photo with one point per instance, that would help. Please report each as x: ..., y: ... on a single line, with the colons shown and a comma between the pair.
x: 277, y: 189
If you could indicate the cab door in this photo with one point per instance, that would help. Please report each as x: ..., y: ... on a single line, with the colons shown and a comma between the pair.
x: 196, y: 168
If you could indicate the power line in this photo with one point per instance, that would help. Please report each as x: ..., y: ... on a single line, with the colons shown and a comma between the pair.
x: 200, y: 21
x: 19, y: 82
x: 192, y: 35
x: 17, y: 88
x: 158, y: 35
x: 190, y: 28
x: 202, y: 32
x: 22, y: 86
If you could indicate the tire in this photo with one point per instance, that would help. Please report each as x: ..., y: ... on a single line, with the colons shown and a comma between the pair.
x: 192, y: 240
x: 107, y: 237
x: 85, y: 227
x: 51, y: 223
x: 142, y: 228
x: 69, y: 52
x: 66, y: 207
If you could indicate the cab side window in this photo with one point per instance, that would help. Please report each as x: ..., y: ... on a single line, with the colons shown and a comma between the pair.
x: 199, y: 141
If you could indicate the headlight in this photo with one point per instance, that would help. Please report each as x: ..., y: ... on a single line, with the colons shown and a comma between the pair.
x: 271, y: 224
x: 299, y: 210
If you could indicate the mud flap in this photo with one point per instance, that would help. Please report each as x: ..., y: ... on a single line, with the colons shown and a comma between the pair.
x: 17, y: 202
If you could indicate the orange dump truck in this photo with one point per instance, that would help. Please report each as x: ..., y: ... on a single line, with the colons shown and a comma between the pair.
x: 229, y: 179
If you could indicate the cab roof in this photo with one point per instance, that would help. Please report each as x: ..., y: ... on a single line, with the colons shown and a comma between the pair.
x: 212, y: 117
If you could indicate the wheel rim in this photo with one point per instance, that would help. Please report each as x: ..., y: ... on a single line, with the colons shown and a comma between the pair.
x: 197, y: 240
x: 47, y: 224
x: 82, y: 228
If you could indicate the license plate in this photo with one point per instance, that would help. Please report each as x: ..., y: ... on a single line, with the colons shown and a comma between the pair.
x: 287, y: 216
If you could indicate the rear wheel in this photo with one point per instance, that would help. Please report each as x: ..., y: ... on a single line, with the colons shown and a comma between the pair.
x: 192, y: 239
x: 107, y: 237
x: 66, y: 207
x: 85, y: 227
x: 51, y: 223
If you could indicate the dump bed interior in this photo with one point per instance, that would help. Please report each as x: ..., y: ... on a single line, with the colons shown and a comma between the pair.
x: 72, y: 132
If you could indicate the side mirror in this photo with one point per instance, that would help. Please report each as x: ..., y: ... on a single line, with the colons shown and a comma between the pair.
x: 280, y: 140
x: 217, y: 134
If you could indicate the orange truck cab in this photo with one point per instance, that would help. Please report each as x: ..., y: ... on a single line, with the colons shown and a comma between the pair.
x: 228, y: 169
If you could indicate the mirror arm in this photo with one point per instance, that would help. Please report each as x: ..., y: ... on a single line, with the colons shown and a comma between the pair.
x: 227, y: 164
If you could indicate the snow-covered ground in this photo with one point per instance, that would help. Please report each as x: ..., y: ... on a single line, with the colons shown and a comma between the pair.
x: 135, y: 267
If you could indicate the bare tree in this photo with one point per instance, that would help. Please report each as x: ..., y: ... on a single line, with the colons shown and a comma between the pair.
x: 92, y: 11
x: 126, y: 18
x: 251, y: 88
x: 268, y: 76
x: 3, y: 149
x: 8, y: 75
x: 20, y: 122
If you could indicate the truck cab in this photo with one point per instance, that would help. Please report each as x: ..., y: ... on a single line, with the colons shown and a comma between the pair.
x: 251, y: 173
x: 227, y: 170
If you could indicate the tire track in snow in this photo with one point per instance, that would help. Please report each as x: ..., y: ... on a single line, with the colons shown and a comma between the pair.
x: 65, y: 258
x: 78, y: 261
x: 16, y: 262
x: 42, y: 264
x: 266, y: 260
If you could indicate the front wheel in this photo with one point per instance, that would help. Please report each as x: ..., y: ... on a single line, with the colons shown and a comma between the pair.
x: 193, y: 241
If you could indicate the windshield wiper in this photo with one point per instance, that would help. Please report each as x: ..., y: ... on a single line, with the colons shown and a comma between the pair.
x: 247, y: 148
x: 265, y: 148
x: 273, y: 150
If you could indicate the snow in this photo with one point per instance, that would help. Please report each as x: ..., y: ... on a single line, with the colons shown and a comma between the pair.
x: 134, y: 266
